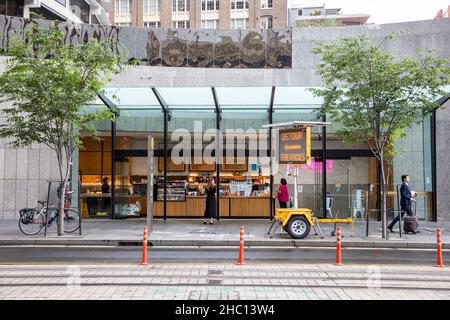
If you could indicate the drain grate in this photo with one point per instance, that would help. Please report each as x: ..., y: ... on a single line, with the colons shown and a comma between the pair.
x: 214, y: 282
x: 215, y: 272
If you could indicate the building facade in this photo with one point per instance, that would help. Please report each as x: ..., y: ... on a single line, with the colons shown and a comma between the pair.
x: 300, y: 16
x: 241, y: 90
x: 78, y: 11
x: 199, y: 14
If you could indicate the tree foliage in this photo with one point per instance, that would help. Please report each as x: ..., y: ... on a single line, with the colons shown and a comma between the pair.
x: 319, y: 23
x: 47, y: 85
x: 376, y: 96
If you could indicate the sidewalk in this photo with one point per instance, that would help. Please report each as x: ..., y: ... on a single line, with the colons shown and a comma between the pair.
x: 191, y: 232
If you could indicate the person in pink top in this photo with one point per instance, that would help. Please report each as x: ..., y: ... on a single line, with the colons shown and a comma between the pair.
x: 283, y: 194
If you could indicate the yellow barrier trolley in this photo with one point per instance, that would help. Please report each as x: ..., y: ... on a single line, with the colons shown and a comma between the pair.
x: 295, y: 149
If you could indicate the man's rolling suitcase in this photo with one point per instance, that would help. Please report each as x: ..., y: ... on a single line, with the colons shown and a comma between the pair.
x: 411, y: 223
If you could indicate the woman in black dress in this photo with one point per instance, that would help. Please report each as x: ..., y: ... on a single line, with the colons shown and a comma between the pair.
x: 210, y: 208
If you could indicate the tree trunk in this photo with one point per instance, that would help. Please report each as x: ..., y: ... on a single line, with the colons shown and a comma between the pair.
x: 63, y: 196
x: 384, y: 198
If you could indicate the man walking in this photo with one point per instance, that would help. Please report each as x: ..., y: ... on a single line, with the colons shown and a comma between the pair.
x: 405, y: 201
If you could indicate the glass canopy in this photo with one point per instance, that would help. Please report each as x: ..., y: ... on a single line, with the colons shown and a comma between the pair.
x: 234, y: 100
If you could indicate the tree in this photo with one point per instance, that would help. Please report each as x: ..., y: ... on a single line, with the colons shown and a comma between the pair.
x: 48, y: 83
x: 376, y: 96
x: 319, y: 23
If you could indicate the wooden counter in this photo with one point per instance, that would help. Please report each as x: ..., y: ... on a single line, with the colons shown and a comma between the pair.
x: 174, y: 208
x: 194, y: 206
x: 249, y: 207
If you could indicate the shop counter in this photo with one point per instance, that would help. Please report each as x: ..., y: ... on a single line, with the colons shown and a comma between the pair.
x: 230, y: 206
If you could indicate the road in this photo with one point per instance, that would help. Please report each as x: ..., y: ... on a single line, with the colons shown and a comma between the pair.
x: 176, y: 273
x: 104, y: 254
x: 222, y: 281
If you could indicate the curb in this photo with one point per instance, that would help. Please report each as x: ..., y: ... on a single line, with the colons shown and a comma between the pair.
x: 225, y: 243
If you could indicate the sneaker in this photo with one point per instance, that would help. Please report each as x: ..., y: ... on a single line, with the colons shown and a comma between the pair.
x: 211, y: 223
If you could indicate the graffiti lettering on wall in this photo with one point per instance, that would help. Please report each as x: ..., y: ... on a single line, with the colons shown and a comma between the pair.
x: 250, y: 48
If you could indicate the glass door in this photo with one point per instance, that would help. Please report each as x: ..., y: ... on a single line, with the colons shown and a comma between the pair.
x: 122, y: 187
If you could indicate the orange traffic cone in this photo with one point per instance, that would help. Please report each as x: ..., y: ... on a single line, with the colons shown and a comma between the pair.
x: 144, y: 248
x: 241, y: 248
x: 338, y: 248
x: 439, y: 261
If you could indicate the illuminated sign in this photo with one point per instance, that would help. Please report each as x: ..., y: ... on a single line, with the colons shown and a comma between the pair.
x: 294, y: 146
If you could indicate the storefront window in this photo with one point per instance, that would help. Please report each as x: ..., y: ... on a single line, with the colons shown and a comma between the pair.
x: 414, y: 158
x: 94, y: 171
x: 350, y: 169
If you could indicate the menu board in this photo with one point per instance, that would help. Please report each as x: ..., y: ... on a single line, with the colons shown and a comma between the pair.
x: 294, y: 146
x: 170, y: 165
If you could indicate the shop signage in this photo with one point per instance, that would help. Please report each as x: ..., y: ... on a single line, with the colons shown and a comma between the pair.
x: 294, y: 146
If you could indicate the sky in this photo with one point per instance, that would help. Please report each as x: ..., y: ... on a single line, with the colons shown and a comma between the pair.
x: 384, y: 11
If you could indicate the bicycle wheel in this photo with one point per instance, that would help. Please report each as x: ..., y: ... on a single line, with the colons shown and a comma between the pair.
x: 31, y: 222
x: 71, y: 220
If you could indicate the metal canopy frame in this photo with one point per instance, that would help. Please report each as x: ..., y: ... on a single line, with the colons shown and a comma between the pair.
x: 218, y: 110
x: 218, y: 153
x: 113, y: 107
x: 167, y: 118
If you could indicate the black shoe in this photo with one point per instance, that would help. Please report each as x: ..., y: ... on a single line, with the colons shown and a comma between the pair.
x: 390, y: 229
x: 204, y: 222
x: 211, y: 223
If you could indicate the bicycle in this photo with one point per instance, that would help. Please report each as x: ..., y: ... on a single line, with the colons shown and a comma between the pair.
x: 32, y: 220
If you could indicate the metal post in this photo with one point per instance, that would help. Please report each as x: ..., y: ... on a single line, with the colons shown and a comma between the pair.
x: 150, y: 166
x: 218, y: 151
x: 80, y: 206
x: 270, y: 111
x: 296, y: 188
x: 399, y: 212
x: 46, y: 213
x: 166, y: 124
x: 166, y: 111
x: 324, y: 166
x: 380, y: 213
x: 368, y: 210
x: 112, y: 107
x: 113, y: 169
x: 433, y: 165
x: 218, y: 157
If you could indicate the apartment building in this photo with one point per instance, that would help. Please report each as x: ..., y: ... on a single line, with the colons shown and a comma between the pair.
x: 299, y: 16
x: 80, y: 11
x: 199, y: 14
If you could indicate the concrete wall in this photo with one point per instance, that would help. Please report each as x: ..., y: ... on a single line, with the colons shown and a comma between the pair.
x: 23, y: 177
x: 430, y: 34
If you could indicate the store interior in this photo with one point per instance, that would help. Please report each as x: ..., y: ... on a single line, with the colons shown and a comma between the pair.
x: 244, y: 184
